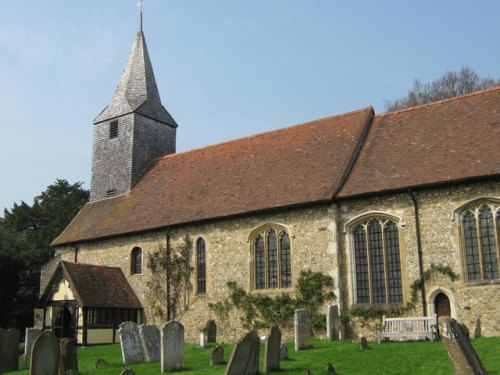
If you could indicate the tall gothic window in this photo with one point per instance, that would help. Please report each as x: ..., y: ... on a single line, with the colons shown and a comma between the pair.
x: 377, y: 262
x: 136, y: 261
x: 480, y: 237
x: 201, y: 279
x: 272, y: 266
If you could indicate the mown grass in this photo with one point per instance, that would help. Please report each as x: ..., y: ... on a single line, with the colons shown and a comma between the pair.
x: 387, y: 358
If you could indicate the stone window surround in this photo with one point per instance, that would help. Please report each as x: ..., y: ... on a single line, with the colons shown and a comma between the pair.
x: 195, y: 263
x: 363, y: 218
x: 132, y: 261
x: 474, y: 205
x: 262, y: 230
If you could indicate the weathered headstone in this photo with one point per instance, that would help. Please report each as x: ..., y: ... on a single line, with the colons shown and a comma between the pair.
x: 283, y: 352
x: 217, y: 356
x: 332, y: 322
x: 68, y: 360
x: 127, y: 371
x: 462, y: 354
x: 203, y: 339
x: 272, y: 350
x: 244, y: 358
x: 362, y: 343
x: 211, y: 330
x: 302, y: 329
x: 45, y: 355
x: 100, y: 363
x: 477, y: 330
x: 330, y: 370
x: 9, y: 349
x: 131, y: 344
x: 31, y: 334
x: 172, y: 346
x: 150, y: 338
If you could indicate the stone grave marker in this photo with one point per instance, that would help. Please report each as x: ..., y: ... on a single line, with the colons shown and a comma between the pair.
x: 172, y: 346
x: 100, y: 363
x: 203, y: 339
x: 68, y: 360
x: 211, y: 330
x: 150, y: 338
x: 272, y: 350
x: 283, y: 352
x: 330, y: 370
x: 127, y: 371
x: 462, y: 354
x: 9, y: 349
x: 131, y: 344
x: 332, y: 322
x: 302, y: 329
x: 362, y: 343
x: 217, y: 356
x: 31, y: 334
x: 244, y: 358
x: 45, y: 355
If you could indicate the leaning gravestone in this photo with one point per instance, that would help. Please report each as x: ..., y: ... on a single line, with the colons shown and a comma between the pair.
x: 45, y: 355
x: 9, y: 349
x: 31, y: 334
x: 302, y: 329
x: 150, y: 338
x: 217, y: 356
x: 172, y: 346
x: 272, y: 350
x: 68, y: 360
x: 462, y: 354
x: 131, y: 344
x: 332, y: 322
x: 244, y: 359
x: 211, y: 330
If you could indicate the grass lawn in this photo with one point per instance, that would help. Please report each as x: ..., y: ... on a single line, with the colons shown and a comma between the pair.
x: 388, y: 358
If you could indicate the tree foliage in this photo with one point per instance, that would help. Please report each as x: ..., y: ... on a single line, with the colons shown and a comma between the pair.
x: 25, y: 236
x: 449, y: 85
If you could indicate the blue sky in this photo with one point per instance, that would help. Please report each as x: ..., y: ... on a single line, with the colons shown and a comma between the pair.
x: 225, y: 68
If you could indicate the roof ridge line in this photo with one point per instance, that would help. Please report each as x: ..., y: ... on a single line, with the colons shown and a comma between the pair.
x: 265, y: 132
x: 441, y: 101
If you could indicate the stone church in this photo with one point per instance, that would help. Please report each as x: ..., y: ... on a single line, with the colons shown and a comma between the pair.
x: 376, y: 201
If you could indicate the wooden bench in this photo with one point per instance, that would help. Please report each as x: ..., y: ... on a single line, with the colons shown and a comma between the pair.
x: 408, y: 328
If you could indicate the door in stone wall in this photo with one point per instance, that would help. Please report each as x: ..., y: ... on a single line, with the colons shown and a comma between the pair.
x: 442, y: 305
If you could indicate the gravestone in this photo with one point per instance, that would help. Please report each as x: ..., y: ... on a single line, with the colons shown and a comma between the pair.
x: 127, y: 371
x: 68, y: 360
x: 150, y: 338
x: 100, y: 363
x: 302, y: 329
x: 283, y: 352
x: 464, y: 357
x: 31, y: 334
x: 203, y: 339
x: 45, y: 355
x: 172, y: 346
x: 477, y: 329
x: 332, y: 322
x: 211, y: 330
x: 217, y: 356
x: 362, y: 343
x: 244, y: 358
x: 9, y: 349
x: 330, y: 370
x: 272, y: 350
x: 131, y: 344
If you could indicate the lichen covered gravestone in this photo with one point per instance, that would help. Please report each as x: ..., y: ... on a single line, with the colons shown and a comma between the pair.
x: 244, y: 358
x: 131, y: 344
x: 45, y: 355
x: 150, y: 337
x: 217, y: 356
x: 31, y: 334
x: 272, y: 350
x: 457, y: 343
x: 302, y: 329
x: 172, y: 346
x: 9, y: 349
x: 68, y: 360
x: 332, y: 322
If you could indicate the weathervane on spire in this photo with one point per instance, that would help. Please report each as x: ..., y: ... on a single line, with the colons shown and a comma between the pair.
x: 140, y: 4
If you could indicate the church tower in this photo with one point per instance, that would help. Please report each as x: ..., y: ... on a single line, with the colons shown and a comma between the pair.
x: 132, y: 130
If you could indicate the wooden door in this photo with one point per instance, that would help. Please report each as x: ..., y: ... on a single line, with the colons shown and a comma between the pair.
x: 442, y: 305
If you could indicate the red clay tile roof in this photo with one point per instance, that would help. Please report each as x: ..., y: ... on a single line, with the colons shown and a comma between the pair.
x: 441, y: 142
x: 98, y: 286
x: 296, y: 165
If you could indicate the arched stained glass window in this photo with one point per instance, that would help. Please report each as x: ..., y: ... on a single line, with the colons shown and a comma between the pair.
x: 361, y: 260
x: 201, y: 280
x: 286, y: 266
x: 260, y: 263
x: 272, y: 259
x: 136, y: 261
x: 393, y: 263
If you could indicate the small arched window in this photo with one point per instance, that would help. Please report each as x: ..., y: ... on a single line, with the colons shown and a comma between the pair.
x: 136, y: 261
x: 272, y: 260
x: 480, y: 237
x: 377, y: 262
x: 201, y: 268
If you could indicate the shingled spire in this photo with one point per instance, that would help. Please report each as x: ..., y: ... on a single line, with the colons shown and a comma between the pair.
x: 132, y: 130
x: 137, y: 90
